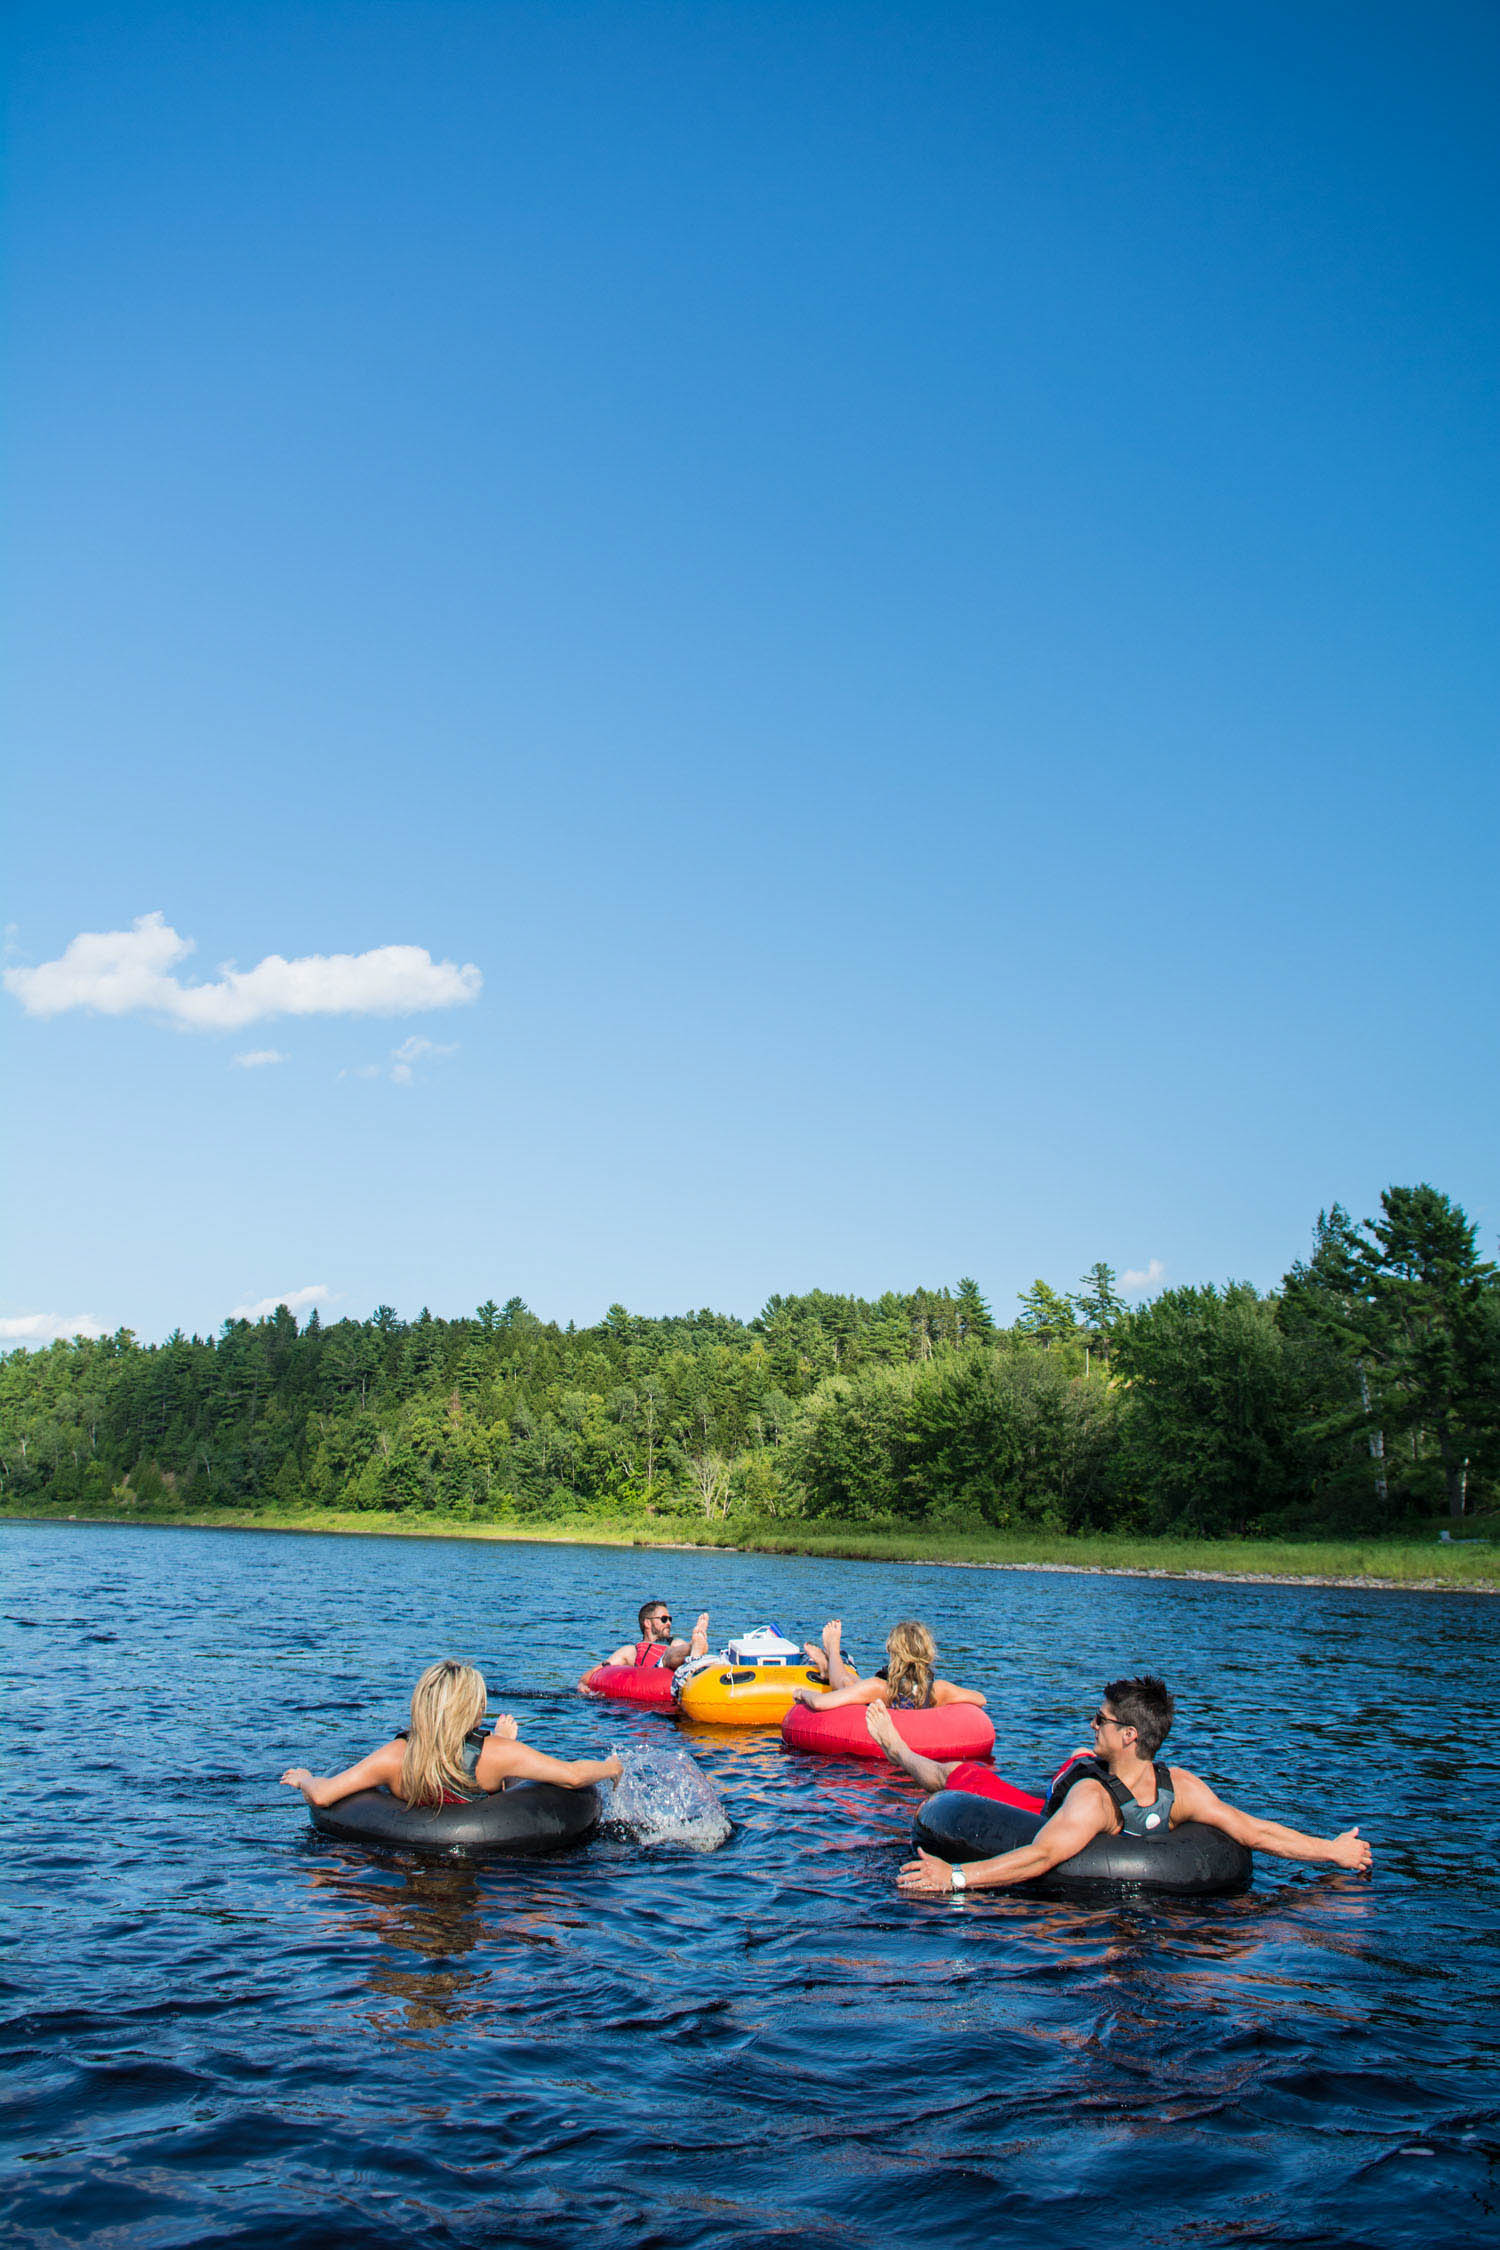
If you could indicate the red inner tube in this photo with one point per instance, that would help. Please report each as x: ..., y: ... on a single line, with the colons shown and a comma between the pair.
x: 953, y: 1730
x: 650, y: 1684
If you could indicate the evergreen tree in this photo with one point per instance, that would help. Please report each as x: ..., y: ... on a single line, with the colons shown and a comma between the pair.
x: 1046, y: 1315
x: 975, y: 1322
x: 1099, y: 1307
x: 1420, y: 1265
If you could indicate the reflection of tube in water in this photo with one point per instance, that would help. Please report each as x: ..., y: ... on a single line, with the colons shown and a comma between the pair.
x: 663, y: 1797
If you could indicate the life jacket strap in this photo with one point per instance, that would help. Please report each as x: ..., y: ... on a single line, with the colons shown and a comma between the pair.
x: 1094, y: 1769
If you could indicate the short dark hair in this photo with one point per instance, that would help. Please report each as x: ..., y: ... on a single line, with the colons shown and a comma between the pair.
x: 1145, y: 1705
x: 649, y: 1609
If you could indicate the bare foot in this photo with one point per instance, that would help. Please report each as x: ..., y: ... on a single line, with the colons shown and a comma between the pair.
x: 505, y: 1728
x: 882, y: 1728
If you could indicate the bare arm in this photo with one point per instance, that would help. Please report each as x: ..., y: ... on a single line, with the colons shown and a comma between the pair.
x: 943, y: 1691
x: 1085, y: 1813
x: 383, y: 1765
x: 1196, y: 1801
x: 625, y: 1655
x: 835, y: 1699
x: 508, y: 1760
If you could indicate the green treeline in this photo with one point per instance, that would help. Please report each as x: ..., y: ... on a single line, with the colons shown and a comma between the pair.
x: 1363, y: 1394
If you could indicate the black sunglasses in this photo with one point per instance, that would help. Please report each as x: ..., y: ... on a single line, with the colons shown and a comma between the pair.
x: 1103, y: 1719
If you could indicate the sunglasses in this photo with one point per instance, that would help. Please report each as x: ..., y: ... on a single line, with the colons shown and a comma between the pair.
x: 1103, y: 1719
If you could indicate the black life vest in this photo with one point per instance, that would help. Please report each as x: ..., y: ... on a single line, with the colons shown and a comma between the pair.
x: 1147, y: 1821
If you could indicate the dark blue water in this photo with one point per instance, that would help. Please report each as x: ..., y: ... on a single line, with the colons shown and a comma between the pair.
x: 220, y: 2029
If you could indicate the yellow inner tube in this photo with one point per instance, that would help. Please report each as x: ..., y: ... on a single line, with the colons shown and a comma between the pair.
x: 744, y: 1695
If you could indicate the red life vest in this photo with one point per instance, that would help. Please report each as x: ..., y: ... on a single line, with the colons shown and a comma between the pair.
x: 651, y: 1653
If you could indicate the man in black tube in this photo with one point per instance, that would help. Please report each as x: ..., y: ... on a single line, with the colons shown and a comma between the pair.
x: 1122, y: 1789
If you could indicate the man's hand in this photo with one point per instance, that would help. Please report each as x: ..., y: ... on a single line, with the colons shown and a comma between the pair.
x: 612, y: 1766
x: 505, y: 1728
x: 925, y: 1876
x: 1351, y: 1850
x: 803, y: 1694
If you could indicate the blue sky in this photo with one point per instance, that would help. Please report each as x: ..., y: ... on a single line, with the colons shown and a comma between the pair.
x: 895, y: 604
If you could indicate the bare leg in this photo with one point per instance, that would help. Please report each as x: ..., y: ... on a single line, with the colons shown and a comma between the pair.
x: 839, y: 1673
x: 927, y: 1771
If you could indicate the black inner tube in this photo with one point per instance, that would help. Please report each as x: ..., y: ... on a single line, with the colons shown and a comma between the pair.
x: 527, y: 1817
x: 1193, y: 1861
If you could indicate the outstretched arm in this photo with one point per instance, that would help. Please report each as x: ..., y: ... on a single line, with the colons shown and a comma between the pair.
x: 501, y: 1761
x: 383, y: 1765
x: 1084, y: 1814
x: 835, y: 1699
x: 943, y: 1691
x: 1198, y: 1802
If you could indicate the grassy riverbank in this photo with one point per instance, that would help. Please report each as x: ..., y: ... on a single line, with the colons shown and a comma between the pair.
x: 1416, y: 1563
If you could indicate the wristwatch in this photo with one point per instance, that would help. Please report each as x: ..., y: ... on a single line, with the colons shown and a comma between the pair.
x: 957, y: 1879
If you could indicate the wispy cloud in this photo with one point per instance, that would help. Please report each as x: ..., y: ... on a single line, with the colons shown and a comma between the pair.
x: 1144, y: 1278
x: 399, y: 1065
x: 259, y: 1057
x: 128, y: 972
x: 413, y: 1051
x: 295, y: 1300
x: 46, y: 1327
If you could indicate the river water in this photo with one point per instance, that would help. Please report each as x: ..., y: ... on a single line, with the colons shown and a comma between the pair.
x: 221, y: 2029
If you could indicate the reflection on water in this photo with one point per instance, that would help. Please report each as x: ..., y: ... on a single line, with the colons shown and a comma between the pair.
x: 224, y: 2028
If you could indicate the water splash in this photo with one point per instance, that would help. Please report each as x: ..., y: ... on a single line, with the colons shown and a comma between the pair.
x: 663, y: 1797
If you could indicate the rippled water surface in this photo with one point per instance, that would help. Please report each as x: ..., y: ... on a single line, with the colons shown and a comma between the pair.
x: 220, y: 2028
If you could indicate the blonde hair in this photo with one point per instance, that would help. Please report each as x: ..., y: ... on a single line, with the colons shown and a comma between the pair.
x: 913, y: 1653
x: 446, y: 1704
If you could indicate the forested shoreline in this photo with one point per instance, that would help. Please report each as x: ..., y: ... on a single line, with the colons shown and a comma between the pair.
x: 1362, y: 1395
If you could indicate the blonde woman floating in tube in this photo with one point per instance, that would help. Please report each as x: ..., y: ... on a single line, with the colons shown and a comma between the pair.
x: 444, y: 1758
x: 907, y: 1681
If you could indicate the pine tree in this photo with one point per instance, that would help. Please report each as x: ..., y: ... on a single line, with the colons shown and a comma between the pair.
x: 1046, y: 1315
x: 975, y: 1321
x: 1099, y: 1306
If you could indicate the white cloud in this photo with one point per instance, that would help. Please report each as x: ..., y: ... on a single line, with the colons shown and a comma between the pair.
x: 399, y: 1068
x: 46, y: 1327
x: 1135, y: 1278
x: 415, y: 1050
x: 258, y: 1057
x: 127, y: 972
x: 295, y: 1300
